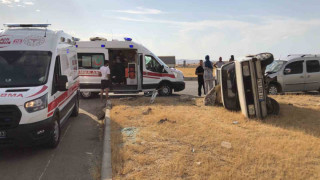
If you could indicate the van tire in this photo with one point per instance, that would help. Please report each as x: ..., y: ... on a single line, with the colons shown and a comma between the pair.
x: 75, y: 111
x: 165, y: 89
x: 273, y: 89
x: 55, y: 134
x: 86, y: 95
x: 273, y: 106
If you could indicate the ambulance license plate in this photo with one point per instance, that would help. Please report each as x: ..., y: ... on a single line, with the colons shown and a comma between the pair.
x: 3, y: 134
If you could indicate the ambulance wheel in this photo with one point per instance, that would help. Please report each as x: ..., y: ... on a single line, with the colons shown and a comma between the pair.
x: 86, y: 95
x: 54, y: 134
x: 75, y: 111
x: 165, y: 89
x: 273, y: 106
x: 273, y: 89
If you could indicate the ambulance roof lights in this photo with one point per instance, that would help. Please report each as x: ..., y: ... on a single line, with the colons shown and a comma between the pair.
x: 102, y: 45
x: 131, y: 46
x: 127, y: 39
x: 26, y: 25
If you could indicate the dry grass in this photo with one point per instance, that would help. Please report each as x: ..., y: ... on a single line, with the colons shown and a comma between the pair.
x: 190, y: 72
x: 282, y: 147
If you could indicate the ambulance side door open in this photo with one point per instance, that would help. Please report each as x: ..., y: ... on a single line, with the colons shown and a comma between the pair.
x: 152, y: 72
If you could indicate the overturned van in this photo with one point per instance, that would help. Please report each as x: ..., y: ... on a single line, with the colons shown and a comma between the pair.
x: 38, y: 84
x: 243, y: 86
x: 133, y: 68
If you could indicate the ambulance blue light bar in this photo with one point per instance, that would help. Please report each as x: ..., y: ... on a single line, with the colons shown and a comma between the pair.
x: 26, y: 25
x: 102, y: 45
x: 127, y: 39
x: 131, y: 46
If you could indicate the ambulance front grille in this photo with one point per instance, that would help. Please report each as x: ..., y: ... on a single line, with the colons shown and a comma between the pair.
x: 10, y: 116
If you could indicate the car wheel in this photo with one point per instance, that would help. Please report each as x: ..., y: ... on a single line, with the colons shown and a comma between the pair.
x: 75, y: 111
x: 273, y: 89
x: 273, y: 106
x: 86, y: 95
x: 55, y: 133
x: 165, y: 90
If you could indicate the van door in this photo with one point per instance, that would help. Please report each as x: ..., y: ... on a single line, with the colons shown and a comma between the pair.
x: 294, y: 76
x: 152, y: 72
x: 312, y: 75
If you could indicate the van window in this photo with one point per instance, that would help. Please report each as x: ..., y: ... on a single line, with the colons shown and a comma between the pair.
x: 152, y: 64
x: 24, y: 68
x: 90, y: 60
x: 56, y: 74
x: 296, y: 67
x: 313, y: 66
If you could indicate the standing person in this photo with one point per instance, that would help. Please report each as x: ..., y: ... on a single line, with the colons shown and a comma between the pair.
x: 208, y: 75
x: 105, y: 80
x: 219, y: 63
x: 231, y: 58
x: 199, y: 73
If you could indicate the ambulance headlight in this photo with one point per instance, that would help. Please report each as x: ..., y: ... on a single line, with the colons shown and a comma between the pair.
x: 36, y: 104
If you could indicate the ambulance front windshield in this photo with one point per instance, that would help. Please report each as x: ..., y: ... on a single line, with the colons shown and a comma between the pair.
x: 24, y: 68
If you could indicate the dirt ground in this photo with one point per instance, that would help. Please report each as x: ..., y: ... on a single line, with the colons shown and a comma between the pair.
x: 190, y: 71
x: 171, y: 139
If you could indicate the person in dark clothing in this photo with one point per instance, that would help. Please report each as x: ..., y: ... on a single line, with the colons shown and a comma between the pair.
x: 199, y: 73
x: 231, y: 59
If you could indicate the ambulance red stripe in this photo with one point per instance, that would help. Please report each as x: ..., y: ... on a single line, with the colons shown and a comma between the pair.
x: 158, y: 74
x: 62, y: 98
x: 41, y: 90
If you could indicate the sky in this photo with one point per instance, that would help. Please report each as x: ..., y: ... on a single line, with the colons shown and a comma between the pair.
x: 187, y: 29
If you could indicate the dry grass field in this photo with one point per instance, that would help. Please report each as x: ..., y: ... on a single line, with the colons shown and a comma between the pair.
x: 182, y: 140
x: 190, y: 71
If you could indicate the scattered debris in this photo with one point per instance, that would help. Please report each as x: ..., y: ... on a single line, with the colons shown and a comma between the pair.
x: 129, y: 134
x: 198, y: 163
x: 147, y: 111
x: 235, y: 122
x: 213, y: 97
x: 226, y: 144
x: 153, y: 97
x: 290, y: 104
x: 193, y: 150
x: 165, y: 120
x: 318, y: 104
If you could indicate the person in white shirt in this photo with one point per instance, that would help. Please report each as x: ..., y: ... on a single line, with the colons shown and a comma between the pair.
x: 105, y: 80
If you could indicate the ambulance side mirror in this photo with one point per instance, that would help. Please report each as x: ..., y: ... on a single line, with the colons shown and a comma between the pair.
x: 62, y: 83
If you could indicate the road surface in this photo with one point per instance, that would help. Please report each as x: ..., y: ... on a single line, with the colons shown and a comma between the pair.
x: 78, y: 155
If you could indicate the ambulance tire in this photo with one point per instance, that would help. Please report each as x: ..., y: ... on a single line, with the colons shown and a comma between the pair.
x: 273, y: 106
x: 165, y: 89
x: 55, y: 133
x: 86, y: 95
x: 75, y: 111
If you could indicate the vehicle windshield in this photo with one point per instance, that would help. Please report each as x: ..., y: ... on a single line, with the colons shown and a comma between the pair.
x: 24, y: 68
x: 275, y: 66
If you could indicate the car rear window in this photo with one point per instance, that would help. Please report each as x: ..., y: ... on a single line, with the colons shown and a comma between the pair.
x: 313, y: 66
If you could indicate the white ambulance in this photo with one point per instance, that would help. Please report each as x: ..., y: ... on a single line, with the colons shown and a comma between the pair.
x: 38, y: 84
x: 133, y: 68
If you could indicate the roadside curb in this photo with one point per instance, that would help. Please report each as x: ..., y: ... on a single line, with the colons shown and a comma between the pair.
x: 106, y: 168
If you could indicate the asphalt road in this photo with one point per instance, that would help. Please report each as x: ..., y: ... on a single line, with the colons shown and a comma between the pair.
x: 78, y: 155
x: 191, y: 89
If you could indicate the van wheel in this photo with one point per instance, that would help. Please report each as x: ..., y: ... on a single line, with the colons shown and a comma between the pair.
x: 75, y: 111
x: 273, y: 106
x: 273, y: 89
x: 54, y: 134
x: 86, y: 95
x: 165, y: 90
